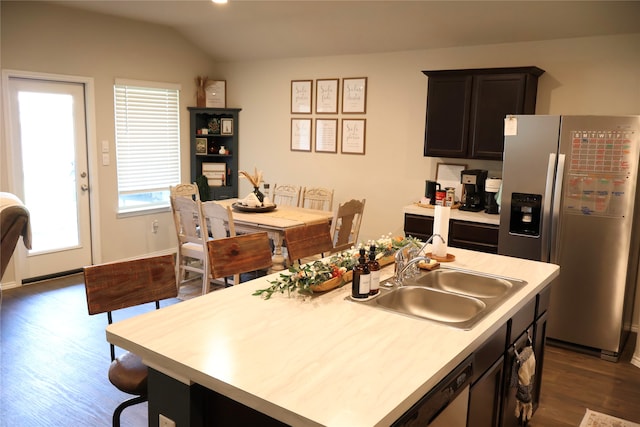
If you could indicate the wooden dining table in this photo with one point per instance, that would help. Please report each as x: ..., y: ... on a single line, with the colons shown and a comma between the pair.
x: 275, y: 222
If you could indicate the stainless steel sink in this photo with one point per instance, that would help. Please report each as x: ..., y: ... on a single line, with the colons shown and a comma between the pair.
x: 461, y: 283
x: 453, y: 297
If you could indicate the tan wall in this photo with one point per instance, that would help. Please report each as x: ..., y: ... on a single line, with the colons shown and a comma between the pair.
x: 599, y: 75
x: 46, y: 38
x: 583, y: 76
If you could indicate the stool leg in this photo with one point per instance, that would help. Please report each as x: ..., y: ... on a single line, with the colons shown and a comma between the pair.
x: 123, y: 406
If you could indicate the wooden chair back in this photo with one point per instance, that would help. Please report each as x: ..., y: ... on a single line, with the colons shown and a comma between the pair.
x: 219, y: 220
x: 307, y: 240
x: 319, y: 198
x: 185, y: 190
x: 220, y: 223
x: 239, y: 254
x: 345, y: 226
x: 285, y: 194
x: 118, y: 285
x: 189, y: 220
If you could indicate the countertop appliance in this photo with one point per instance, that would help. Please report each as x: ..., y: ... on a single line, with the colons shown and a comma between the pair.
x: 473, y: 181
x: 491, y: 188
x: 569, y: 197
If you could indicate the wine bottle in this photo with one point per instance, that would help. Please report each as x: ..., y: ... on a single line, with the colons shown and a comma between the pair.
x: 374, y: 268
x: 361, y: 283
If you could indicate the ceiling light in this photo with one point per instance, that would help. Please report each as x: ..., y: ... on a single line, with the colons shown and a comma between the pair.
x: 219, y: 1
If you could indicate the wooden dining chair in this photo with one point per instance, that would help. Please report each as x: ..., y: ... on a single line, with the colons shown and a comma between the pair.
x: 220, y: 225
x: 185, y: 190
x: 319, y: 198
x: 239, y: 254
x: 192, y: 234
x: 118, y: 285
x: 285, y: 194
x: 345, y: 226
x: 307, y: 240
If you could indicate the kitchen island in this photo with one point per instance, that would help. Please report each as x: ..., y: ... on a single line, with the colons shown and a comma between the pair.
x: 311, y: 361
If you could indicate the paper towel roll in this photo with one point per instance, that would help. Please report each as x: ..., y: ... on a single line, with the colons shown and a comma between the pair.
x: 441, y: 227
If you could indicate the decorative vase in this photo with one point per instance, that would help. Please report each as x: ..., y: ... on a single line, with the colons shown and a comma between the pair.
x: 258, y: 193
x: 222, y: 150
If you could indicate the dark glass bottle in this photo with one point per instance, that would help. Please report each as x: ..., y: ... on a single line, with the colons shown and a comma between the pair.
x: 258, y: 193
x: 361, y: 277
x: 374, y: 268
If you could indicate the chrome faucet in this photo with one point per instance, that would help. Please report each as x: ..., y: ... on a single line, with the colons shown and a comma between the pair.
x: 402, y: 264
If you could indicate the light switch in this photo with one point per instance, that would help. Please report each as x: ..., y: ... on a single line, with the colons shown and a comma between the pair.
x: 105, y: 146
x: 105, y: 159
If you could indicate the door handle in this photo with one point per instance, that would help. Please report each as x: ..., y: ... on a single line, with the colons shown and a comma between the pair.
x: 84, y: 187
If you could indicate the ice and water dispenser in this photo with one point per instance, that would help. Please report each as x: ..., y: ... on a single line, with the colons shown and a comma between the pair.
x: 526, y: 214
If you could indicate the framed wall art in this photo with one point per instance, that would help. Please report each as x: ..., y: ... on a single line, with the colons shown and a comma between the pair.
x: 226, y: 126
x: 300, y: 134
x: 326, y: 135
x: 327, y: 96
x: 354, y: 95
x: 216, y: 94
x: 353, y: 136
x: 201, y: 146
x: 301, y: 96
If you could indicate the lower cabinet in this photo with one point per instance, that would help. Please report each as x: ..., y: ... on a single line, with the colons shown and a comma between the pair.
x: 486, y: 388
x: 486, y: 397
x: 509, y: 403
x: 492, y: 399
x: 462, y: 234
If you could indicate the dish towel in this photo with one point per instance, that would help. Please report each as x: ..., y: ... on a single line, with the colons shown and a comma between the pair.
x: 522, y: 377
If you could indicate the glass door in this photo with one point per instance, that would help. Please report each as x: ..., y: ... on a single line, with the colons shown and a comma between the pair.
x: 49, y: 154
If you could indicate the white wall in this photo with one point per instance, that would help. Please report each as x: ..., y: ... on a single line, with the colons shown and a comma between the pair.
x: 599, y: 75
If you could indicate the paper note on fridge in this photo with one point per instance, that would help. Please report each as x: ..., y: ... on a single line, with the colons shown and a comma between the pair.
x: 510, y: 126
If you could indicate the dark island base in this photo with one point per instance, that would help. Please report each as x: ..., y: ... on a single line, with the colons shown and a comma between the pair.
x: 197, y: 406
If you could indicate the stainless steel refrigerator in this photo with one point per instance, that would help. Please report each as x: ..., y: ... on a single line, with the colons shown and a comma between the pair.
x: 569, y: 197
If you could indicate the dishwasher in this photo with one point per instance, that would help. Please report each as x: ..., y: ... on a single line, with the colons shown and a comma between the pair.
x: 446, y: 405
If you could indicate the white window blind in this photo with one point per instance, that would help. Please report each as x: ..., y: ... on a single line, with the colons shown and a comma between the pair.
x: 147, y: 122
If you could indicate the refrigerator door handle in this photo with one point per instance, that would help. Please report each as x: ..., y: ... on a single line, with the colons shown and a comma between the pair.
x: 546, y: 208
x: 557, y: 197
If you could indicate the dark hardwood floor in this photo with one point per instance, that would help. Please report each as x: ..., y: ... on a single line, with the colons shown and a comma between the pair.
x: 54, y: 360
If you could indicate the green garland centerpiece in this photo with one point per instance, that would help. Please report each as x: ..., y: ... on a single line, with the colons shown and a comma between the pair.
x: 302, y: 278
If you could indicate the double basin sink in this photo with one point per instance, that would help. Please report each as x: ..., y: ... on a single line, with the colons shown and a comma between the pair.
x: 458, y: 298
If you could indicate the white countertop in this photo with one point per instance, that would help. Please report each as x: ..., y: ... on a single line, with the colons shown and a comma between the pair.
x: 321, y: 360
x: 480, y: 217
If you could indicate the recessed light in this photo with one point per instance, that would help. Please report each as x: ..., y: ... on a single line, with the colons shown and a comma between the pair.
x: 219, y: 1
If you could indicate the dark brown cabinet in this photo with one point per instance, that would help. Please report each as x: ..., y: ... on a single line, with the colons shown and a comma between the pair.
x: 492, y: 399
x: 462, y: 234
x: 466, y: 109
x: 222, y: 127
x: 486, y: 388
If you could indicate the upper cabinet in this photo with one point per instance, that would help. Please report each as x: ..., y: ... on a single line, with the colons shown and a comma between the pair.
x: 466, y: 109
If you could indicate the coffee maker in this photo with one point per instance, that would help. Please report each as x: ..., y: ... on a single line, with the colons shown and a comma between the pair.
x: 491, y: 188
x: 473, y: 181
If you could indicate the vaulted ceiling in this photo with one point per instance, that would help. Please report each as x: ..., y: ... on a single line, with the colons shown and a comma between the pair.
x: 248, y: 30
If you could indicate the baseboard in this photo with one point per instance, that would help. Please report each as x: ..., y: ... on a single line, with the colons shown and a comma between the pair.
x: 9, y: 285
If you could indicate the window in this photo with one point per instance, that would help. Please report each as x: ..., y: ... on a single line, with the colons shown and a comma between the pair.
x: 147, y: 123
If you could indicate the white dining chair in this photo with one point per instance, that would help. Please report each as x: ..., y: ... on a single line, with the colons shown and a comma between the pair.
x: 319, y: 198
x: 285, y: 194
